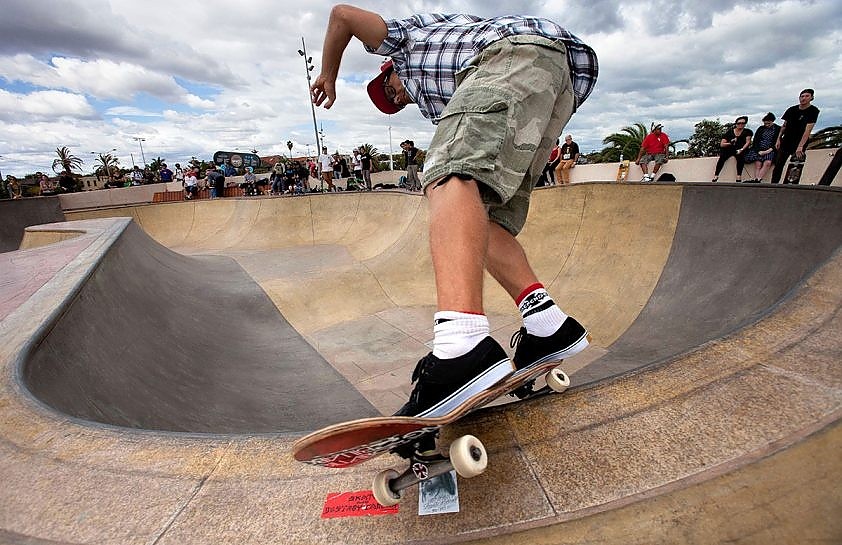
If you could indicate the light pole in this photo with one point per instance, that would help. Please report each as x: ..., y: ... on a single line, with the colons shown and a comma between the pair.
x: 307, y: 69
x: 140, y: 141
x: 391, y: 159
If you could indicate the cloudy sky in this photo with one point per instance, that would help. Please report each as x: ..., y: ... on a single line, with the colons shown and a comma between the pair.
x: 193, y: 77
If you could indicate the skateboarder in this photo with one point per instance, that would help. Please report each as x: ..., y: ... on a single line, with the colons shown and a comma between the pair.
x: 500, y: 92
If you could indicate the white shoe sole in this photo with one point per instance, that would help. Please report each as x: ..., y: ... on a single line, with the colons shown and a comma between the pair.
x: 568, y: 352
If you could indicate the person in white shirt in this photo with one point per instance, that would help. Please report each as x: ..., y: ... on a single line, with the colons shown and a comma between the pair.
x: 191, y: 184
x: 326, y: 166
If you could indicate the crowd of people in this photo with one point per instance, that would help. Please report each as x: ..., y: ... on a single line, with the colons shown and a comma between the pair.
x: 768, y: 148
x: 771, y: 145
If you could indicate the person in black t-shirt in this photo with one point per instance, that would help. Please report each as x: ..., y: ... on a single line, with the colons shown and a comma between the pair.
x: 568, y: 155
x: 798, y: 122
x: 734, y: 143
x: 365, y: 163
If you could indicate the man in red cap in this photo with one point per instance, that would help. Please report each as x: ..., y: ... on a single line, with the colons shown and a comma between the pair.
x: 500, y: 92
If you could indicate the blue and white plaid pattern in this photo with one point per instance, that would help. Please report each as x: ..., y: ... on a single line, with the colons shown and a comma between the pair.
x: 428, y: 50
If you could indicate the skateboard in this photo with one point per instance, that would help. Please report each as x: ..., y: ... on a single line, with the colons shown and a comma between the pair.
x: 623, y: 171
x: 793, y: 171
x: 416, y: 438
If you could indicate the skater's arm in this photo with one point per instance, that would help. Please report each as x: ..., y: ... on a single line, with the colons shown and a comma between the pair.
x: 802, y: 145
x: 780, y: 135
x: 345, y: 23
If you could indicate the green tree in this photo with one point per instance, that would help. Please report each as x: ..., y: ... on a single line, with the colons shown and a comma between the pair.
x: 66, y: 161
x: 157, y: 164
x: 626, y: 143
x: 673, y: 145
x: 830, y: 137
x: 706, y: 138
x: 109, y: 166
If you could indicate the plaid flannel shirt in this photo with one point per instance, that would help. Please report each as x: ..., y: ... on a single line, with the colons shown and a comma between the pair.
x: 428, y: 50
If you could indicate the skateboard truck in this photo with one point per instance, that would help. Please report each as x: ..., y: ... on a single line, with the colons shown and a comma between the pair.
x: 467, y: 455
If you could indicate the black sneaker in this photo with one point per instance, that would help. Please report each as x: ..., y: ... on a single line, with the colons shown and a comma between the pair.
x: 530, y: 350
x: 441, y: 386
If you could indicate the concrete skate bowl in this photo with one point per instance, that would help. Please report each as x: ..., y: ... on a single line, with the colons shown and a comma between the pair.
x: 713, y: 388
x: 18, y: 214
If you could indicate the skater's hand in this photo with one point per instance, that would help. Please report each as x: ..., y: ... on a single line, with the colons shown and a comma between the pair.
x: 799, y: 152
x: 323, y: 90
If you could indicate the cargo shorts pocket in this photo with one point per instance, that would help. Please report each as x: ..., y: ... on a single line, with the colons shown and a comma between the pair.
x: 470, y: 135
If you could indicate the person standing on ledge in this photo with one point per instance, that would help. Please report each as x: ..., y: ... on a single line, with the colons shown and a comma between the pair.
x: 798, y: 122
x: 500, y: 91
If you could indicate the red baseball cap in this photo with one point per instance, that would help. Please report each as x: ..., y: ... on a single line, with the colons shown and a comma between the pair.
x: 378, y: 94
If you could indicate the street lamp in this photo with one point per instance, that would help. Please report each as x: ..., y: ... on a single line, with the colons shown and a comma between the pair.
x: 140, y: 141
x: 307, y: 69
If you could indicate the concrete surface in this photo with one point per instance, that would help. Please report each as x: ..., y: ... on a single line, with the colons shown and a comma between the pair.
x: 17, y: 214
x: 723, y: 427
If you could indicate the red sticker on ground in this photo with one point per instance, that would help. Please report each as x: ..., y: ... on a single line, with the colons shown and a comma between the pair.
x: 354, y: 504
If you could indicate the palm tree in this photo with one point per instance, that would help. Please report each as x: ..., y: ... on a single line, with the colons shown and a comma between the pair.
x: 626, y: 142
x: 676, y: 143
x: 830, y: 137
x: 157, y: 164
x: 107, y: 165
x: 66, y: 161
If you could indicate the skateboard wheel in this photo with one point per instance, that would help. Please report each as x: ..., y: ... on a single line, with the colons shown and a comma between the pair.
x: 383, y: 493
x: 557, y: 380
x: 468, y: 456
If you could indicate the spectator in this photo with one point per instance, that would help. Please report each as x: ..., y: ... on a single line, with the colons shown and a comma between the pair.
x: 137, y: 176
x: 326, y: 163
x: 303, y: 178
x: 191, y: 183
x: 179, y: 174
x: 67, y: 183
x: 46, y: 187
x: 249, y: 182
x: 344, y: 171
x: 14, y: 187
x: 165, y: 174
x: 356, y: 164
x: 762, y: 151
x: 365, y: 165
x: 798, y: 122
x: 410, y: 152
x: 216, y: 182
x: 548, y: 174
x: 568, y: 155
x: 655, y: 147
x: 734, y: 143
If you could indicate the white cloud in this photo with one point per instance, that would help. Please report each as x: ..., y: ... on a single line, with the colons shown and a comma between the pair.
x: 44, y: 105
x: 224, y: 78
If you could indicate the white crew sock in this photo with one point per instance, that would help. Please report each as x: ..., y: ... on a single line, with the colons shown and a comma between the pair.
x: 457, y: 333
x: 541, y: 316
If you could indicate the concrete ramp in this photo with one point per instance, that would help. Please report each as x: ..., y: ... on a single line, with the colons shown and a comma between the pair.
x: 159, y: 341
x: 708, y: 410
x: 18, y: 214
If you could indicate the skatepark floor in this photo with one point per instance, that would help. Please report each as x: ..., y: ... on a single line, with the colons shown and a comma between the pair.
x: 185, y: 349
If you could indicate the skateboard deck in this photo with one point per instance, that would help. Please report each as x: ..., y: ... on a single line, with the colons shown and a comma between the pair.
x: 415, y: 438
x: 347, y: 444
x: 623, y: 171
x: 793, y: 171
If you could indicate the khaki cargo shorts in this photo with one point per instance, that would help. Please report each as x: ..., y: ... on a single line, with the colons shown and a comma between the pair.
x: 511, y: 103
